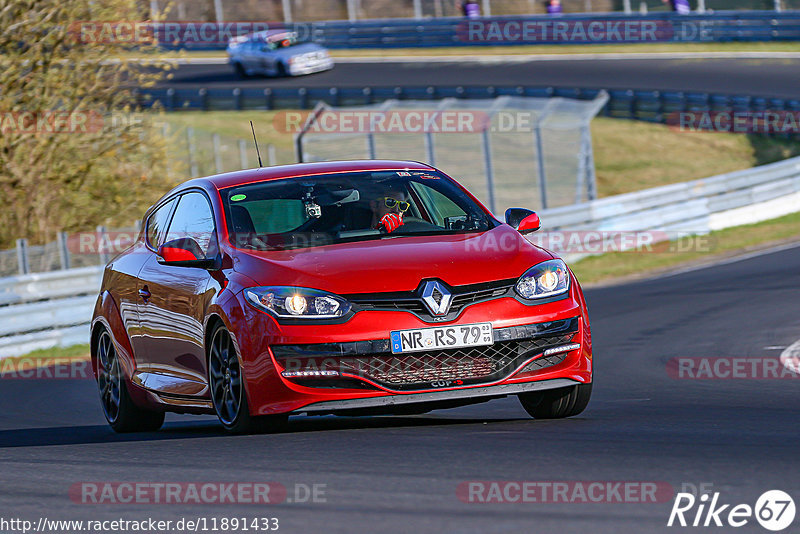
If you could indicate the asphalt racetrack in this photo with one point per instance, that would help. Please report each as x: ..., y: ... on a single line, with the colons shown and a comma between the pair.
x: 776, y: 78
x: 400, y: 474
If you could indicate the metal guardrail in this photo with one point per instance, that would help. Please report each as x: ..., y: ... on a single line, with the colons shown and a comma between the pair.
x: 46, y: 310
x: 650, y: 106
x: 455, y: 31
x: 696, y: 207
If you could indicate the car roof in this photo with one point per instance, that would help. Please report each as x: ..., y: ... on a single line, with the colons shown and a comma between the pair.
x: 231, y: 179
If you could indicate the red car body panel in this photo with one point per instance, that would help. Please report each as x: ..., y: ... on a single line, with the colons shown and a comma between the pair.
x: 162, y: 338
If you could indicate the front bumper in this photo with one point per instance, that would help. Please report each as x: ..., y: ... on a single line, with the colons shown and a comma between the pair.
x: 310, y: 67
x: 434, y: 397
x: 264, y: 344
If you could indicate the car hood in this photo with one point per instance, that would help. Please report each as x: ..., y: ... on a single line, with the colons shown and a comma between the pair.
x: 299, y: 50
x: 397, y: 264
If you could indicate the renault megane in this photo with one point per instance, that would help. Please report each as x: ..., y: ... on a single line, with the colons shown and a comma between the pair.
x: 362, y: 287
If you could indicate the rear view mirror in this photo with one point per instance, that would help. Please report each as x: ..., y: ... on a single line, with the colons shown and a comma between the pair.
x: 184, y: 252
x: 522, y: 220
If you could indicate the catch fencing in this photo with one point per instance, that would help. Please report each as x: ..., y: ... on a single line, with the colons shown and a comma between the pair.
x: 507, y: 150
x: 584, y: 29
x: 353, y: 10
x: 50, y: 309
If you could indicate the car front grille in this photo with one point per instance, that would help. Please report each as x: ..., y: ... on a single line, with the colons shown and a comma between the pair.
x: 449, y: 367
x: 410, y: 301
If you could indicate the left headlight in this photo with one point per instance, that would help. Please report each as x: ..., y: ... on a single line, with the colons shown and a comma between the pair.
x: 546, y: 279
x: 297, y: 302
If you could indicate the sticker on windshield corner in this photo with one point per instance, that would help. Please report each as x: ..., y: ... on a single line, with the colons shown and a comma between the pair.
x: 428, y: 177
x: 237, y: 198
x: 403, y: 173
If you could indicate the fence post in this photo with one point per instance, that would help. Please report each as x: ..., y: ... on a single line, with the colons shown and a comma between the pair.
x: 487, y: 8
x: 537, y: 133
x: 591, y: 177
x: 287, y: 11
x: 417, y: 9
x: 352, y: 10
x: 487, y: 159
x: 430, y: 149
x: 701, y: 6
x: 63, y: 250
x: 271, y: 155
x: 217, y: 153
x: 218, y: 10
x: 243, y: 154
x: 22, y: 256
x: 102, y: 249
x: 778, y: 6
x: 192, y: 152
x: 370, y: 145
x: 627, y: 6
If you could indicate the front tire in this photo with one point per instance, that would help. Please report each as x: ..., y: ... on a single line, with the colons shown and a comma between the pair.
x: 120, y: 411
x: 240, y: 71
x: 228, y: 395
x: 282, y: 71
x: 557, y: 403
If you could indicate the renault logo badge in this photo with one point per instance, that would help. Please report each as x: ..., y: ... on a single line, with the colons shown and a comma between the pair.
x: 436, y: 297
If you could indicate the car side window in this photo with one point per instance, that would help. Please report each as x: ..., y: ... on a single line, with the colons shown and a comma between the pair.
x: 194, y: 219
x: 157, y: 224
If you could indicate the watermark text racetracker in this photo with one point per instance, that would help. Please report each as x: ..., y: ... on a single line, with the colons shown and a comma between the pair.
x: 597, y: 30
x: 766, y: 122
x: 67, y: 122
x: 202, y: 493
x: 559, y: 241
x: 573, y: 491
x: 185, y: 33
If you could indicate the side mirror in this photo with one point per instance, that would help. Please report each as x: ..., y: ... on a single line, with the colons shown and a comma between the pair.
x: 184, y: 252
x: 522, y: 220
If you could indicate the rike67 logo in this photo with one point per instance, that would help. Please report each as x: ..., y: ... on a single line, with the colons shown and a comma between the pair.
x: 774, y: 510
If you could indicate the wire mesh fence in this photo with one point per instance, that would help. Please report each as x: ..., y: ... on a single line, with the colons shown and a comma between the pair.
x: 68, y: 251
x: 319, y: 10
x: 509, y: 151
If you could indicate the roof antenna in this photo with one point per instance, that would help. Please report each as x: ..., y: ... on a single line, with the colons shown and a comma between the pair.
x: 256, y: 142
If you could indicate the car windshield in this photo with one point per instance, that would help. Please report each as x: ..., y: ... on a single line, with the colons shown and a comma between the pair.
x: 320, y: 210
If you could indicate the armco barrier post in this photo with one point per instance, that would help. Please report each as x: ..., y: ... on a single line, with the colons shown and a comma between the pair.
x: 22, y: 256
x: 271, y: 155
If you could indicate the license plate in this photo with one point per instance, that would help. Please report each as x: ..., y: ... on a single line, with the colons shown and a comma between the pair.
x: 442, y: 337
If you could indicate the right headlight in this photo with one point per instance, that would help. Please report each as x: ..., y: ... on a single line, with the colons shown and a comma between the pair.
x: 546, y: 279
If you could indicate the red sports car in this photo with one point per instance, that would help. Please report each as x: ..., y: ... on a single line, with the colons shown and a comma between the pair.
x: 360, y: 287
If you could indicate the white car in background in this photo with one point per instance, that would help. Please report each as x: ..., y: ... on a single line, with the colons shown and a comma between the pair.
x: 276, y: 53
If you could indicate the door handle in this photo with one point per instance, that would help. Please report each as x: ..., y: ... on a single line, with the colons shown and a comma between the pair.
x: 145, y: 293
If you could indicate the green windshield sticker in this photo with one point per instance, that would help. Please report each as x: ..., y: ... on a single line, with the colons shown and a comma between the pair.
x: 237, y: 198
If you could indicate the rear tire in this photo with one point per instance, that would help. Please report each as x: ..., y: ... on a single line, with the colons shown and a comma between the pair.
x: 121, y: 413
x: 228, y: 395
x: 557, y: 403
